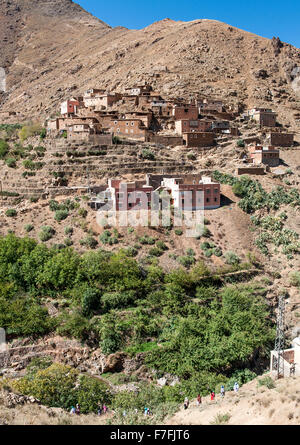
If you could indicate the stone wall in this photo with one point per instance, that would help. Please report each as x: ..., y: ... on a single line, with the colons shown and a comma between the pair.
x: 172, y: 141
x: 250, y: 171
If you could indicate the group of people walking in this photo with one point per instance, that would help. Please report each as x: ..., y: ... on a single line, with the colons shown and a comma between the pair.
x: 75, y: 409
x: 212, y: 395
x: 101, y: 409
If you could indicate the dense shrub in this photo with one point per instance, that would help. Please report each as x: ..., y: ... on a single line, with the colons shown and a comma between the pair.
x: 4, y: 148
x: 61, y: 386
x: 89, y: 241
x: 29, y: 227
x: 178, y: 232
x: 206, y: 330
x: 46, y: 233
x: 147, y: 154
x: 60, y: 215
x: 30, y: 130
x: 11, y: 162
x: 69, y: 230
x: 11, y: 212
x: 232, y: 258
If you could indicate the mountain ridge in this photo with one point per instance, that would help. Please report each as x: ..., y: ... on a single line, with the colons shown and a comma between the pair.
x: 51, y: 59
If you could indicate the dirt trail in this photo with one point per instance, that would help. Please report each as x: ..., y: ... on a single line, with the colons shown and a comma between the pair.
x: 252, y: 405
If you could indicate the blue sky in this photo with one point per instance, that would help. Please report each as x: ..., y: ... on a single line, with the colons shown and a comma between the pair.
x: 263, y: 17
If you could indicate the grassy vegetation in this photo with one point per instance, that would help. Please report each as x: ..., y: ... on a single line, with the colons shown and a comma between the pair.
x: 272, y: 228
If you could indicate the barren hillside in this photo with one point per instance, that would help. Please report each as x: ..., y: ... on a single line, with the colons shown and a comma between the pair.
x: 52, y: 49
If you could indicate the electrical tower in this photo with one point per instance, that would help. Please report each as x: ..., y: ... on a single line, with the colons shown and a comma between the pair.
x: 88, y: 181
x: 279, y: 342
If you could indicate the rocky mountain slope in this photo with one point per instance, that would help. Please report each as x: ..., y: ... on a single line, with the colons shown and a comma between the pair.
x: 52, y: 49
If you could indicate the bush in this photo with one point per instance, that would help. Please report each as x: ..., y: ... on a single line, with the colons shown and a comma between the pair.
x: 89, y: 242
x: 4, y: 148
x: 186, y: 261
x: 155, y: 251
x: 107, y: 238
x: 161, y: 245
x: 190, y: 252
x: 191, y: 157
x: 68, y: 230
x: 68, y: 242
x: 295, y: 279
x: 82, y: 212
x: 29, y: 165
x: 231, y: 258
x: 178, y: 232
x: 60, y: 215
x: 148, y: 154
x: 221, y: 419
x: 240, y: 143
x: 29, y: 227
x: 11, y: 162
x: 131, y: 252
x: 11, y: 213
x: 147, y: 240
x: 46, y: 233
x: 29, y: 131
x: 24, y: 317
x: 266, y: 381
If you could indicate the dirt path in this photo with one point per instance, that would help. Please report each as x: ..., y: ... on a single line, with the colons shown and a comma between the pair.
x: 252, y: 405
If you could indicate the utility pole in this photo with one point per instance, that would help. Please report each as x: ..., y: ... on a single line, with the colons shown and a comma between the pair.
x: 88, y: 180
x: 279, y: 342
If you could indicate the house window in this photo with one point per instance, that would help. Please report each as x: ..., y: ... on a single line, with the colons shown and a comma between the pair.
x: 131, y: 131
x: 208, y: 191
x: 216, y: 190
x: 207, y: 199
x: 132, y: 124
x: 127, y: 123
x: 216, y: 200
x: 118, y: 130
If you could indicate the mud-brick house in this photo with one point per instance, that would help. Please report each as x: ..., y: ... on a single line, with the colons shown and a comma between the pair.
x: 79, y: 132
x: 178, y: 187
x: 130, y: 128
x: 290, y: 360
x: 208, y: 105
x: 186, y: 125
x: 70, y: 107
x: 220, y: 126
x: 279, y: 139
x: 161, y: 107
x: 100, y: 100
x: 264, y: 116
x: 145, y: 117
x: 198, y: 139
x: 267, y: 155
x: 185, y: 112
x: 129, y: 195
x: 139, y: 89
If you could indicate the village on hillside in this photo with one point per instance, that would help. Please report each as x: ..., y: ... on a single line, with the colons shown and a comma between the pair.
x: 141, y: 115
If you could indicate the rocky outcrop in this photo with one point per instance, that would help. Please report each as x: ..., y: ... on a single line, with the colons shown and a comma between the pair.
x: 17, y: 357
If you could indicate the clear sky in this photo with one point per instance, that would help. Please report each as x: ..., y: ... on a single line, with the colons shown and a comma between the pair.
x: 267, y: 18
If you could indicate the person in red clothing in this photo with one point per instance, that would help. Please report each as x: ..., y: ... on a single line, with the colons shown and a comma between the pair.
x: 212, y: 396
